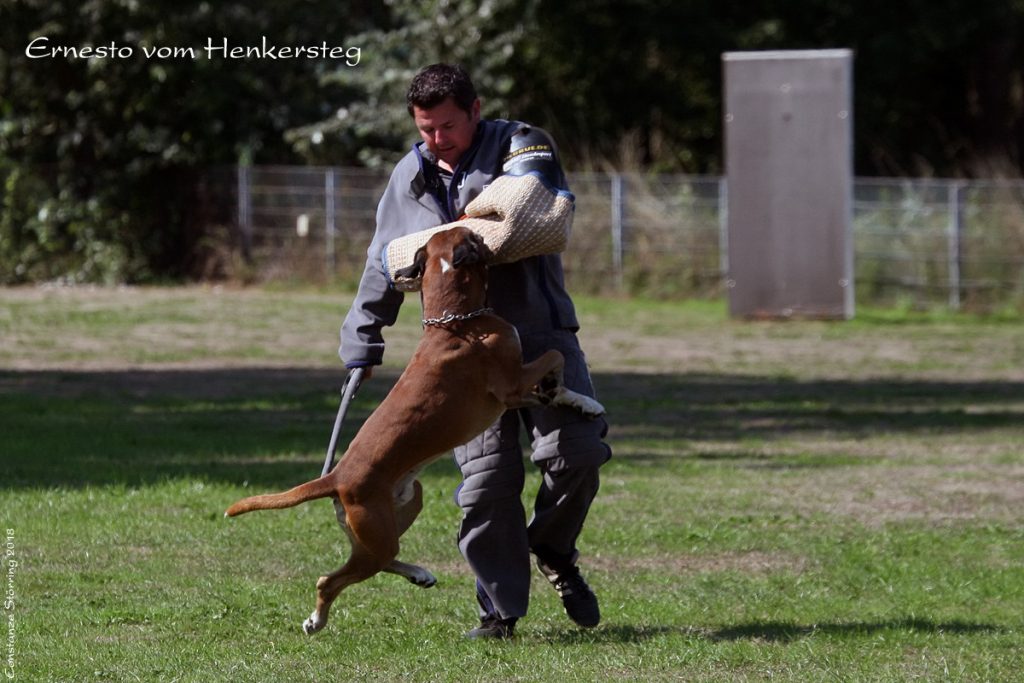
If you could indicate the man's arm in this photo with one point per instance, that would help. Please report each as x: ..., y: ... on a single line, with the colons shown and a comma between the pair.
x: 531, y: 150
x: 376, y: 304
x: 375, y: 307
x: 527, y: 211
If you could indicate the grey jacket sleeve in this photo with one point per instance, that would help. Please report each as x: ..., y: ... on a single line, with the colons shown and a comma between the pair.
x: 376, y: 305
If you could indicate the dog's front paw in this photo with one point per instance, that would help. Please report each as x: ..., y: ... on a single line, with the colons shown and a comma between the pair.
x: 586, y: 405
x: 591, y: 408
x: 313, y: 624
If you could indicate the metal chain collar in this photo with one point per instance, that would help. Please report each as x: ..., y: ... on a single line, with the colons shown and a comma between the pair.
x: 452, y: 317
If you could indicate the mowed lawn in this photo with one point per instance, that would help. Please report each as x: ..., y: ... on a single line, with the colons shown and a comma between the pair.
x: 792, y: 501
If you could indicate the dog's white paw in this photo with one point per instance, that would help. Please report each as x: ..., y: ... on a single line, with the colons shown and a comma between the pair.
x: 313, y: 624
x: 591, y: 408
x: 586, y: 405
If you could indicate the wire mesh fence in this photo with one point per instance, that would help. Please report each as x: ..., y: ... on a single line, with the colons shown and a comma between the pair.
x: 939, y: 240
x: 925, y: 241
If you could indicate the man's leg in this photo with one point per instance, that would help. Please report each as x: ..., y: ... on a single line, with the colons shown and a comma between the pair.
x: 569, y: 449
x: 492, y: 536
x: 569, y: 484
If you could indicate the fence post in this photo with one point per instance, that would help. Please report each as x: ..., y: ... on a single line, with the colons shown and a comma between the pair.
x: 954, y: 231
x: 329, y: 226
x: 243, y: 181
x: 617, y: 245
x: 723, y: 229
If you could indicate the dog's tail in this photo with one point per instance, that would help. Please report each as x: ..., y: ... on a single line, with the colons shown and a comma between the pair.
x: 311, y: 490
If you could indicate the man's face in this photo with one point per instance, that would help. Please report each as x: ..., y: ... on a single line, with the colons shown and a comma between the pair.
x: 447, y: 130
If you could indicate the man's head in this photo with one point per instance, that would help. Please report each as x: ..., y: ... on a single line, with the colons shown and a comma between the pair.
x: 446, y: 110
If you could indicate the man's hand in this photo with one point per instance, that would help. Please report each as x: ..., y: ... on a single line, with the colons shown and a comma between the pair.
x: 367, y: 371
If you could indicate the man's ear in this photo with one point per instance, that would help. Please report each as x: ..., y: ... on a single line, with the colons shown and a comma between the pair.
x: 419, y: 264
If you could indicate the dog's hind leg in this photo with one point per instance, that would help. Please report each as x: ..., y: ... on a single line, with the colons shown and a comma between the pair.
x: 359, y: 567
x: 363, y: 563
x: 408, y: 503
x: 370, y: 527
x: 415, y: 573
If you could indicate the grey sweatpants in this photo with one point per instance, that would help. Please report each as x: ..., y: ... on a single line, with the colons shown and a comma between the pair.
x: 494, y: 536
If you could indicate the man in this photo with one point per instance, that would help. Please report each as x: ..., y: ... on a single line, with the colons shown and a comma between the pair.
x: 459, y: 155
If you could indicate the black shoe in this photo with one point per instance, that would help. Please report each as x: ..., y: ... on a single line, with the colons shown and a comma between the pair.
x: 579, y: 601
x: 494, y: 628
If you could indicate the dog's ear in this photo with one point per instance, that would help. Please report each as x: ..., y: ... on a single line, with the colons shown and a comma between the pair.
x: 419, y: 264
x: 470, y: 251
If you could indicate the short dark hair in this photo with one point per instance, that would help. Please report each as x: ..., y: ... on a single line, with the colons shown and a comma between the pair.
x: 436, y: 83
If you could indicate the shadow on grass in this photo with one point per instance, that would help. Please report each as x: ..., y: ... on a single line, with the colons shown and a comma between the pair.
x: 611, y: 633
x: 786, y: 631
x: 770, y: 631
x: 270, y: 426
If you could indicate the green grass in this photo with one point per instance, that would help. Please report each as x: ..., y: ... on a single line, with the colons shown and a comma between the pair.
x: 796, y: 501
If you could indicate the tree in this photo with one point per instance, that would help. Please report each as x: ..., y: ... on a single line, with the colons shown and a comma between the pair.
x: 100, y: 158
x: 374, y: 129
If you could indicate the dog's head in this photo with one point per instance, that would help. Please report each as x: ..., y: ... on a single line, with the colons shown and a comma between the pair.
x: 456, y: 248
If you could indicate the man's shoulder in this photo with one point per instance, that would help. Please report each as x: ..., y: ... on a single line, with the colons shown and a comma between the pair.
x: 504, y: 131
x: 497, y: 136
x: 411, y: 161
x: 405, y: 170
x: 502, y: 128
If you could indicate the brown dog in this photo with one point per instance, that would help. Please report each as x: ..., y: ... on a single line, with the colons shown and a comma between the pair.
x: 467, y: 370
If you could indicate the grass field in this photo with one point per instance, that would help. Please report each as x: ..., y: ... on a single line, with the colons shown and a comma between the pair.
x: 793, y: 501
